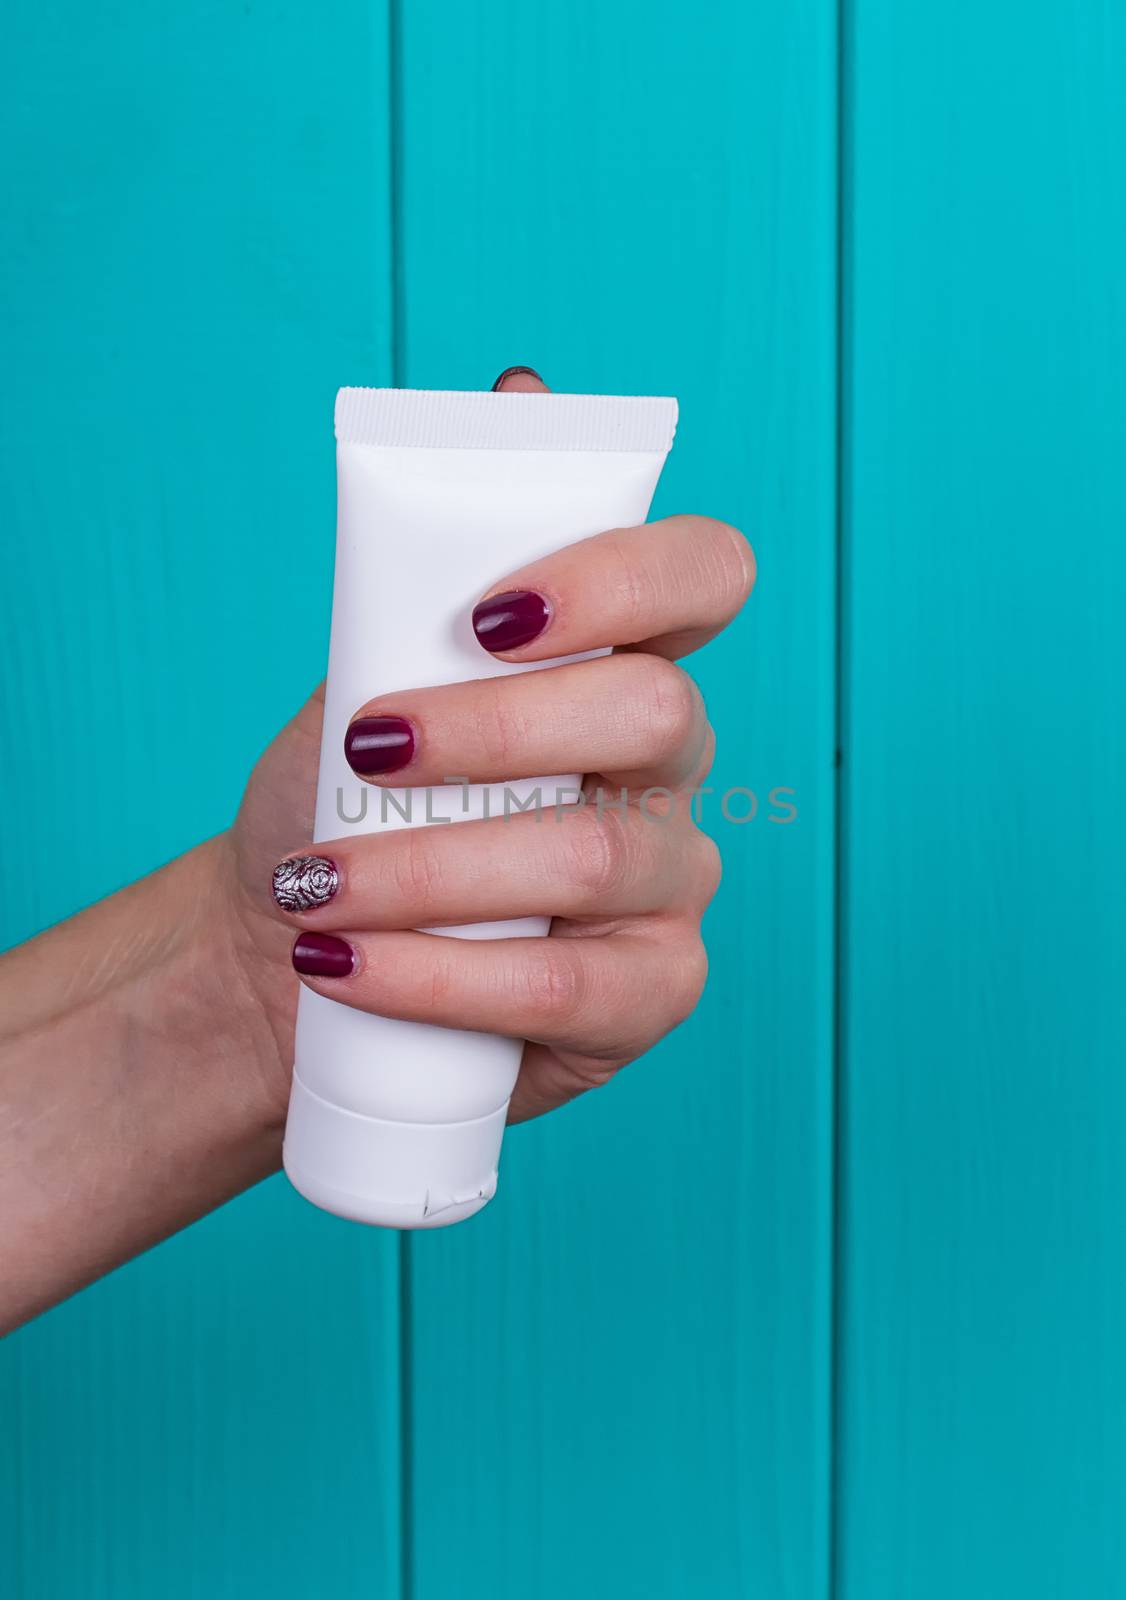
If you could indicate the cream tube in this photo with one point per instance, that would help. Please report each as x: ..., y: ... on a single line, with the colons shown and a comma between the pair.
x: 440, y: 496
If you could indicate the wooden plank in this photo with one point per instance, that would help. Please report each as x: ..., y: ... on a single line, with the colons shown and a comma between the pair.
x: 195, y: 254
x: 620, y: 1370
x: 983, y: 1390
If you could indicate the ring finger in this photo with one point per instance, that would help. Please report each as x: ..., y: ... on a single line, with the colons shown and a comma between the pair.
x: 575, y: 863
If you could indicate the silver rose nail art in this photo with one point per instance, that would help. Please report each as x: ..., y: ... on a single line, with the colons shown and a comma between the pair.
x: 304, y: 882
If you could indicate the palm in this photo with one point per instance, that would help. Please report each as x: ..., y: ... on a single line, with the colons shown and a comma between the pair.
x: 275, y: 818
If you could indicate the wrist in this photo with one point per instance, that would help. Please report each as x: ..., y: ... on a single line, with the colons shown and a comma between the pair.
x: 143, y: 1065
x: 232, y: 964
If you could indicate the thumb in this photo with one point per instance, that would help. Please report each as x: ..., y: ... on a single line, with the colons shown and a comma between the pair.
x: 520, y: 380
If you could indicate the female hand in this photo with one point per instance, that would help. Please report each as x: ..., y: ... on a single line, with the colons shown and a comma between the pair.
x: 626, y: 876
x: 146, y: 1045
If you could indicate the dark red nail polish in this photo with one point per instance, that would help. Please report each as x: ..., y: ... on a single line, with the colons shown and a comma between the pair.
x: 506, y: 621
x: 511, y: 372
x: 378, y: 744
x: 323, y: 955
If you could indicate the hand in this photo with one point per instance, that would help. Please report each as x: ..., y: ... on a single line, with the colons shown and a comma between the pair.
x: 626, y: 885
x: 147, y: 1044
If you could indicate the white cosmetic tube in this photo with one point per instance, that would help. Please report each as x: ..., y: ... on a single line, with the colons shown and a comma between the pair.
x: 440, y: 496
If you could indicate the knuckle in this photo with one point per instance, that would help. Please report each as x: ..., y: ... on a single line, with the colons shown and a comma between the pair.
x: 688, y: 980
x: 440, y: 983
x: 709, y: 867
x: 707, y: 755
x: 672, y: 704
x: 633, y: 589
x: 602, y: 854
x: 416, y: 868
x: 558, y: 986
x: 735, y: 566
x: 499, y: 728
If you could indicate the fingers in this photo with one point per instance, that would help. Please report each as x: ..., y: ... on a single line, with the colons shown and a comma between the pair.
x: 575, y: 864
x: 520, y: 380
x: 575, y: 994
x: 665, y: 588
x: 636, y: 717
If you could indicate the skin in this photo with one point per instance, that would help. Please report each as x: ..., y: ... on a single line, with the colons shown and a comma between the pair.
x: 147, y: 1044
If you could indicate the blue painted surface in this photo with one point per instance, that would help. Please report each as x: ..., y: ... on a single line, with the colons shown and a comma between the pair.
x: 813, y: 1301
x: 642, y: 1409
x: 982, y: 1360
x: 187, y: 272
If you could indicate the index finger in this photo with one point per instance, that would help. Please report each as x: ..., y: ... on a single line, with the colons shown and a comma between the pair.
x: 666, y: 587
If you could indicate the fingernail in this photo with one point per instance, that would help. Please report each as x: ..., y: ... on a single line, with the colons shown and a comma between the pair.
x: 506, y: 621
x: 512, y: 372
x: 323, y: 955
x: 305, y: 882
x: 378, y: 744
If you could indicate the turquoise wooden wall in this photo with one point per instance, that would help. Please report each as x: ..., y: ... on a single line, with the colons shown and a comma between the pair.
x: 981, y: 1275
x: 828, y: 1296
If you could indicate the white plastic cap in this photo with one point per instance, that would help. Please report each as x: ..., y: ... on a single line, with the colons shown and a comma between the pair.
x: 390, y: 1174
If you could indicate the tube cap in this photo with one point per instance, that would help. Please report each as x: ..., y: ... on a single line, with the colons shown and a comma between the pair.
x: 390, y: 1174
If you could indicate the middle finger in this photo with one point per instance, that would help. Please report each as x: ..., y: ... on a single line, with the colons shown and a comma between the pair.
x: 636, y: 718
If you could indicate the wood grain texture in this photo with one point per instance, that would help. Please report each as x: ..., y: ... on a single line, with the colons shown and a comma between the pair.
x: 618, y: 1377
x: 982, y: 1449
x: 620, y: 1369
x: 194, y: 254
